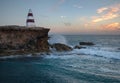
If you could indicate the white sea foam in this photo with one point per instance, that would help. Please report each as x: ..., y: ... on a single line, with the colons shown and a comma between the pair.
x: 93, y: 51
x: 15, y: 56
x: 62, y: 56
x: 97, y: 52
x: 10, y: 56
x: 57, y: 39
x: 109, y: 70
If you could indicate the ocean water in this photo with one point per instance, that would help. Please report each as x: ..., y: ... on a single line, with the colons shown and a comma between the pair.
x: 94, y: 64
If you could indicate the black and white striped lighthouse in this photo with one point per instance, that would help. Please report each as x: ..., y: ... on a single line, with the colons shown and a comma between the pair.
x: 30, y: 22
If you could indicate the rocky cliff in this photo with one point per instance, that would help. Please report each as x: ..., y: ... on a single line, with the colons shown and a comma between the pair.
x: 23, y: 39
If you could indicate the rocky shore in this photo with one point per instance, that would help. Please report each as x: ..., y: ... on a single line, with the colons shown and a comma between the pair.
x: 21, y: 39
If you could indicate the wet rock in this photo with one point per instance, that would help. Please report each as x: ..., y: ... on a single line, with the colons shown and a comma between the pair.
x: 78, y: 47
x: 86, y: 43
x: 61, y: 47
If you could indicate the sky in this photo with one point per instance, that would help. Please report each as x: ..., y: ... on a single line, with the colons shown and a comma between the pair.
x: 65, y: 16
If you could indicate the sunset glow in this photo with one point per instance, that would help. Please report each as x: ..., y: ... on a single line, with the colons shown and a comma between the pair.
x: 112, y: 26
x: 65, y: 16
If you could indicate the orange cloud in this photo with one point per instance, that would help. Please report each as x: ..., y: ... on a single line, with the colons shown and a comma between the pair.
x: 107, y: 13
x: 105, y: 17
x: 112, y: 26
x: 101, y: 10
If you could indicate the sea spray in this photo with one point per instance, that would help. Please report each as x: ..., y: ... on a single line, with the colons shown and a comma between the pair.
x: 98, y: 64
x: 57, y: 39
x: 96, y: 52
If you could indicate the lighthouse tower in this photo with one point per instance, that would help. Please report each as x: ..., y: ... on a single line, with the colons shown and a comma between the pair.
x: 30, y: 22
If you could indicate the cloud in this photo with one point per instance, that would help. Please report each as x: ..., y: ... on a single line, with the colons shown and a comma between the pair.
x: 112, y: 26
x: 101, y: 10
x: 67, y: 24
x: 56, y: 5
x: 62, y: 1
x: 105, y: 17
x: 107, y: 13
x: 63, y: 16
x: 77, y: 6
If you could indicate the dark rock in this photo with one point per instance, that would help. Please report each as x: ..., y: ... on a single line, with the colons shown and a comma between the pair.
x: 78, y: 47
x: 31, y: 44
x: 118, y: 48
x: 19, y: 38
x: 61, y: 47
x: 86, y: 43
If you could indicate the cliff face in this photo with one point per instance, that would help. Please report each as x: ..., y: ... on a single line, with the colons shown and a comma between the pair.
x: 24, y: 38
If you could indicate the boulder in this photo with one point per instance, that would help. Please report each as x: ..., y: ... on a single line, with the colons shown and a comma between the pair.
x: 78, y: 47
x: 86, y: 43
x: 118, y: 48
x: 61, y: 47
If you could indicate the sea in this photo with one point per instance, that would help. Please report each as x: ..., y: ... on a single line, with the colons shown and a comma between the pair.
x: 99, y: 63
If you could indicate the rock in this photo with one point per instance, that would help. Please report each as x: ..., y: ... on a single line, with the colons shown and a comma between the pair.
x: 78, y: 47
x: 86, y: 43
x: 31, y: 44
x: 61, y: 47
x: 19, y: 38
x: 118, y: 48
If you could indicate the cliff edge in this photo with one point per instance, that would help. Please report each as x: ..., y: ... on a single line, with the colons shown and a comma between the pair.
x: 21, y: 39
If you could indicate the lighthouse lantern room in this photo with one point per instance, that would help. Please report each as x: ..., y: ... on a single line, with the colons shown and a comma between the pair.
x: 30, y: 22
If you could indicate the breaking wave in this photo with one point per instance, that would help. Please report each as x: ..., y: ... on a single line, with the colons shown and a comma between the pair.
x: 57, y: 39
x: 97, y: 52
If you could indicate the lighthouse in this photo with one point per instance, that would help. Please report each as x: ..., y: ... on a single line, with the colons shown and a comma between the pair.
x: 30, y: 22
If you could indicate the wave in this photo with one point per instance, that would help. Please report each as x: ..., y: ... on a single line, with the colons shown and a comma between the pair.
x: 15, y: 56
x: 72, y: 54
x: 97, y: 52
x: 57, y: 39
x: 60, y: 56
